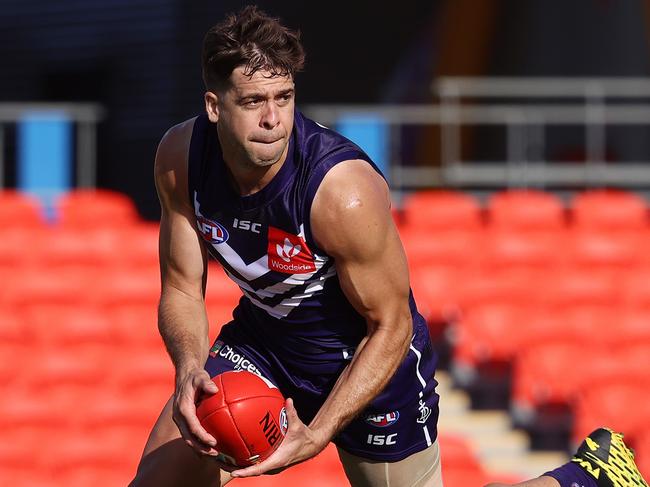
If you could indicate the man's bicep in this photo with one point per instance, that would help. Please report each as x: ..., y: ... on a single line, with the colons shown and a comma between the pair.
x: 374, y: 275
x: 182, y: 256
x: 369, y: 257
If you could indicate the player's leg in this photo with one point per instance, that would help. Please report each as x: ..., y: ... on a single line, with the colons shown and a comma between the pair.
x: 394, y: 441
x: 168, y: 461
x: 602, y: 460
x: 422, y: 469
x: 540, y: 482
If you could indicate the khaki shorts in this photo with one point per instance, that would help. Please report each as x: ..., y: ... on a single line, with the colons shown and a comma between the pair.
x: 421, y: 469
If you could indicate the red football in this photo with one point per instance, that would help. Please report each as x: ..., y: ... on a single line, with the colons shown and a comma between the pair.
x: 246, y: 417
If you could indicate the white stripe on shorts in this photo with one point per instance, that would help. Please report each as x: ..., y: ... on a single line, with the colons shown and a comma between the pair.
x: 417, y: 366
x: 426, y: 435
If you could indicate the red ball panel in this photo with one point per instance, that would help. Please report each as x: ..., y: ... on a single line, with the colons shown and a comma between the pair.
x: 220, y: 424
x: 246, y: 417
x: 258, y: 420
x: 241, y: 385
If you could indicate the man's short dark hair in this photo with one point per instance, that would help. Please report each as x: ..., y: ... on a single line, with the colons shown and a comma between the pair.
x: 251, y: 39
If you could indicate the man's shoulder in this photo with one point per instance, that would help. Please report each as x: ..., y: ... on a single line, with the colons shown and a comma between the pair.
x: 319, y: 143
x: 174, y: 145
x: 179, y: 133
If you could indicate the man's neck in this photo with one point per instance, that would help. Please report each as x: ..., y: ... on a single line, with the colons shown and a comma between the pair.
x: 249, y: 180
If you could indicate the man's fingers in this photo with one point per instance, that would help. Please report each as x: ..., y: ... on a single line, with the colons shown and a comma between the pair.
x: 203, y: 383
x: 188, y: 412
x: 292, y: 414
x: 190, y: 427
x: 209, y: 386
x: 252, y: 471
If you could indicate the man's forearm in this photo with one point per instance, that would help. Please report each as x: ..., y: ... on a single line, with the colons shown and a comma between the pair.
x: 183, y: 325
x: 377, y: 358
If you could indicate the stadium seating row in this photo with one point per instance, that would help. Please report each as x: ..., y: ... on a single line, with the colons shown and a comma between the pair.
x: 524, y: 210
x: 433, y: 209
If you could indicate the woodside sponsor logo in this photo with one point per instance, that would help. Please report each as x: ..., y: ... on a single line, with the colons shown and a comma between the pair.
x: 289, y: 253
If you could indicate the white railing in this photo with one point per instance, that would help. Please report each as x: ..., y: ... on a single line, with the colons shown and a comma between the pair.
x: 519, y: 105
x: 84, y: 116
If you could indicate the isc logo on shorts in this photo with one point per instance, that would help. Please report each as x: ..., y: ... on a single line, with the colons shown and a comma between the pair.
x: 381, y: 440
x: 289, y: 253
x: 211, y: 231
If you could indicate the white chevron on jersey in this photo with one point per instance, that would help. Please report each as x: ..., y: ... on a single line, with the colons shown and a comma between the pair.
x: 285, y: 306
x: 260, y: 267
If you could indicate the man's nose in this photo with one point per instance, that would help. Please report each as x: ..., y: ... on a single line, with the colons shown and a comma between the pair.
x: 270, y: 116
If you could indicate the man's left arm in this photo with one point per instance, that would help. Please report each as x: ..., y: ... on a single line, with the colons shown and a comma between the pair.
x: 352, y: 222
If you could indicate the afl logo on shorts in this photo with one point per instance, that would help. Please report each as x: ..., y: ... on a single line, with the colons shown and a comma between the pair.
x: 211, y: 231
x: 382, y: 420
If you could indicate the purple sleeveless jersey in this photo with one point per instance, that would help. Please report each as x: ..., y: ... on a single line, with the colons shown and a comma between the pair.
x: 293, y: 324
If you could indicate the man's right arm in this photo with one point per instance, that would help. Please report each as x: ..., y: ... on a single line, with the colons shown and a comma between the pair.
x: 182, y: 319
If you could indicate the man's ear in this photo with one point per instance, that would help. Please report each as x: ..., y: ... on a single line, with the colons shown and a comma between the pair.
x: 211, y: 106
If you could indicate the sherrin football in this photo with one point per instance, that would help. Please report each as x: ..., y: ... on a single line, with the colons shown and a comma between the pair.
x: 246, y: 417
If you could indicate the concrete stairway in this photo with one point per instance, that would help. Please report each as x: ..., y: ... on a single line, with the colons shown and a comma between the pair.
x: 500, y: 448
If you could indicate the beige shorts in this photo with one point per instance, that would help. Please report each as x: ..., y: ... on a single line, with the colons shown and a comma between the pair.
x: 421, y: 469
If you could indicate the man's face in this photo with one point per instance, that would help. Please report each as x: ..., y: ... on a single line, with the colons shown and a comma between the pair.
x: 255, y: 118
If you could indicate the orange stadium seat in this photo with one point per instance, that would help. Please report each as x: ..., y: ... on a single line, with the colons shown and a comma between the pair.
x: 508, y: 249
x: 120, y: 286
x: 523, y: 210
x: 125, y: 409
x: 445, y: 248
x: 96, y: 208
x: 642, y: 451
x: 322, y: 471
x: 635, y: 288
x: 137, y: 245
x: 495, y: 332
x: 579, y: 286
x: 632, y: 325
x: 437, y: 289
x: 54, y: 325
x: 621, y: 404
x: 12, y: 328
x: 441, y: 210
x: 19, y: 248
x: 513, y: 286
x: 606, y: 249
x: 136, y: 325
x: 95, y: 475
x: 546, y: 372
x: 20, y: 210
x: 609, y: 209
x: 135, y: 369
x: 33, y: 285
x: 77, y: 246
x: 457, y: 452
x: 462, y: 477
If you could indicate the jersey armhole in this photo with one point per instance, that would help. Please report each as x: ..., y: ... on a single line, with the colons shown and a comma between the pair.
x: 195, y: 155
x: 316, y: 178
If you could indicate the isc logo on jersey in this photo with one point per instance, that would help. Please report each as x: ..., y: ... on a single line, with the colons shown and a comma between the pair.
x: 211, y: 231
x: 289, y: 253
x: 382, y: 420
